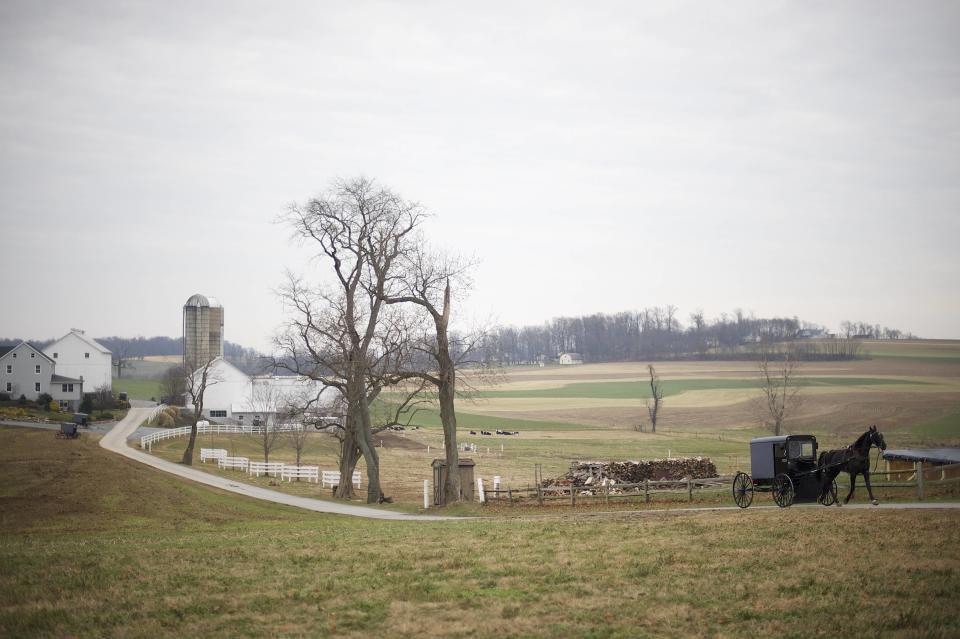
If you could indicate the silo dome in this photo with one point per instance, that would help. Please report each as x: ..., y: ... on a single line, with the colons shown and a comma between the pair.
x: 198, y: 300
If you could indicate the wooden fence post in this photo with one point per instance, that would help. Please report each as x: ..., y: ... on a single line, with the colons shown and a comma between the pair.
x: 606, y: 494
x: 646, y: 490
x: 689, y: 489
x: 573, y: 495
x: 539, y: 495
x: 920, y: 480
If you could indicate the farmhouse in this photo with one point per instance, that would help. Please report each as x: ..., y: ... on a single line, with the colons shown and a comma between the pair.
x: 569, y: 359
x: 83, y: 358
x: 26, y: 371
x: 234, y: 397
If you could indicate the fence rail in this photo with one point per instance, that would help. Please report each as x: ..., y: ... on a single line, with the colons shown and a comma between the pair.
x: 204, y: 428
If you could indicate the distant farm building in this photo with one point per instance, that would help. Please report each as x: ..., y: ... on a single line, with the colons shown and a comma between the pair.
x: 568, y: 359
x: 233, y: 397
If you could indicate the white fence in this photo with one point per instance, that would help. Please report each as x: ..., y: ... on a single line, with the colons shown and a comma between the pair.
x: 290, y: 473
x: 265, y: 468
x: 205, y: 428
x: 212, y: 453
x: 332, y: 478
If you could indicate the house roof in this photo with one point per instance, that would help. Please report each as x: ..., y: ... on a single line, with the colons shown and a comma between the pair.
x: 60, y: 379
x: 9, y: 349
x: 88, y: 340
x: 935, y: 455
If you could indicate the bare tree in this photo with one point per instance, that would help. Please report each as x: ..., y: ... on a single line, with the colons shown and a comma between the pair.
x: 173, y: 385
x: 778, y: 370
x: 265, y: 401
x: 121, y: 357
x: 196, y: 383
x: 335, y: 335
x: 656, y: 398
x: 425, y: 282
x: 103, y: 397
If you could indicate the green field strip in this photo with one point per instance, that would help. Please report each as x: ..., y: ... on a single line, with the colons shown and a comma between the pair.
x: 137, y: 388
x: 641, y: 390
x: 431, y: 419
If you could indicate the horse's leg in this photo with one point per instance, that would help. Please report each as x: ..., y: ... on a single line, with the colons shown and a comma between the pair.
x: 853, y: 486
x: 866, y: 478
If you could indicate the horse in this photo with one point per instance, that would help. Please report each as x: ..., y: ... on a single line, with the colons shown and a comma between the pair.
x: 854, y: 459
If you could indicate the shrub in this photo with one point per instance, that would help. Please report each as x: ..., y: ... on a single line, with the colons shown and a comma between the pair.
x: 172, y: 411
x: 23, y: 400
x: 122, y: 404
x: 164, y: 420
x: 44, y: 400
x: 53, y: 406
x: 86, y: 406
x: 104, y: 415
x: 4, y: 397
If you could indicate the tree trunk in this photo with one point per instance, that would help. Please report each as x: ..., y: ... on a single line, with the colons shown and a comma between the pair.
x: 365, y: 442
x: 188, y: 453
x: 349, y: 455
x: 447, y: 393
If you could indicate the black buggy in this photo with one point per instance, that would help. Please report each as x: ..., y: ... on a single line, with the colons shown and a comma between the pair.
x: 786, y: 467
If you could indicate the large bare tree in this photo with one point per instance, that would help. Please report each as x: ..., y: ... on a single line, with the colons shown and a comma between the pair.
x: 425, y: 282
x: 335, y: 334
x: 203, y: 376
x: 778, y: 368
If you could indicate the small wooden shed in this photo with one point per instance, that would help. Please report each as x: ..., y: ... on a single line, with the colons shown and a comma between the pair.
x: 440, y: 477
x: 933, y: 460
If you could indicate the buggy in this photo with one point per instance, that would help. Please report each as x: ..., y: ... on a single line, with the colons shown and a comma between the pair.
x: 68, y: 430
x: 785, y: 466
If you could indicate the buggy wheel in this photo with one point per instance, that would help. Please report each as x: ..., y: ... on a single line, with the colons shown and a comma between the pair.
x: 782, y: 490
x: 831, y: 497
x: 742, y: 489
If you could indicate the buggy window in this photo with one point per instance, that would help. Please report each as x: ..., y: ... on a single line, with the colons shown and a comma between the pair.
x: 801, y: 450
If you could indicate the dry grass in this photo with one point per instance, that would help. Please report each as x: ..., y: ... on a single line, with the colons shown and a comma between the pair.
x: 94, y: 545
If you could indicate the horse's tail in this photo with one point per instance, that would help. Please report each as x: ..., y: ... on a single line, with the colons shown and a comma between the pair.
x: 820, y: 459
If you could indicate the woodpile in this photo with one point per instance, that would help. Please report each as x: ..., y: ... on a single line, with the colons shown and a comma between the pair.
x: 632, y: 472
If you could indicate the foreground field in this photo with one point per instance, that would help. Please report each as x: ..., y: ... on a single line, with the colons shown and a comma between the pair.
x: 93, y: 545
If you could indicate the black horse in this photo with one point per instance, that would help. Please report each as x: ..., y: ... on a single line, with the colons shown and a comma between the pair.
x: 854, y: 459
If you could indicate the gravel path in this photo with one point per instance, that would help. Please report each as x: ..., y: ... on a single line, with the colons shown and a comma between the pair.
x: 116, y: 441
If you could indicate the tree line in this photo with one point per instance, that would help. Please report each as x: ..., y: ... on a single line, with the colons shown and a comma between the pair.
x: 657, y: 333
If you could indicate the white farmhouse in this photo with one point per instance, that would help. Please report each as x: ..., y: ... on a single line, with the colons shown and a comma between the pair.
x: 83, y: 358
x: 234, y: 397
x: 569, y: 359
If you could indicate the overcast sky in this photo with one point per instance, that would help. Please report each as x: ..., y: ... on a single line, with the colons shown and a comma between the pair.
x: 784, y: 158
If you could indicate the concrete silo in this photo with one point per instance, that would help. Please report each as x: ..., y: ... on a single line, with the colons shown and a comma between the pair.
x: 202, y: 330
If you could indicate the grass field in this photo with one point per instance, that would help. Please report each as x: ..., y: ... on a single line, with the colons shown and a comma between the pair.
x: 137, y: 388
x: 92, y: 545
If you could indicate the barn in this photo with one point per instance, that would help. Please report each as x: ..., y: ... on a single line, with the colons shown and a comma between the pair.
x: 568, y: 359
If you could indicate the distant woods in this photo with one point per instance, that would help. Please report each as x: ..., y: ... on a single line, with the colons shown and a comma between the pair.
x: 657, y: 333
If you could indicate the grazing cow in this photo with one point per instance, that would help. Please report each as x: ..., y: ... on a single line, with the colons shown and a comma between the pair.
x: 473, y: 432
x: 485, y: 432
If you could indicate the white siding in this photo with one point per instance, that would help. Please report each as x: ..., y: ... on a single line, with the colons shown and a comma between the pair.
x: 72, y: 361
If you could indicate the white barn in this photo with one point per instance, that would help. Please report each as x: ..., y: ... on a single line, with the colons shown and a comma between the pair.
x: 568, y: 359
x: 83, y: 358
x: 233, y: 397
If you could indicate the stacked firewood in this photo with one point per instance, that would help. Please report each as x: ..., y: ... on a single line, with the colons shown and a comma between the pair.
x: 630, y: 472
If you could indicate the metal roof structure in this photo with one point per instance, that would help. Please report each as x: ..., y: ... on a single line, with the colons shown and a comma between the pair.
x: 934, y: 455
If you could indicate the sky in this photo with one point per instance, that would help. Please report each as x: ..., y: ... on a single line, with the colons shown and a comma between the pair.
x: 788, y: 159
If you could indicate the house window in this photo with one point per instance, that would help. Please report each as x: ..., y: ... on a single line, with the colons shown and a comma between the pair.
x: 14, y: 356
x: 218, y: 413
x: 32, y: 355
x: 9, y: 387
x: 9, y: 369
x: 38, y: 369
x: 64, y: 388
x: 64, y: 404
x: 86, y: 355
x: 37, y: 386
x: 55, y: 355
x: 69, y: 388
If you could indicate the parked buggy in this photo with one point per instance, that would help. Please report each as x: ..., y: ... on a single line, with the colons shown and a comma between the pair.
x: 68, y: 430
x: 786, y: 467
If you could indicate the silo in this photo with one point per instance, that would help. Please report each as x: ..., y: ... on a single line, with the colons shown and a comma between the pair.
x: 202, y: 330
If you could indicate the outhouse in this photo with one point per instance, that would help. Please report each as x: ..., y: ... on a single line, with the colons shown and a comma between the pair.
x: 440, y: 477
